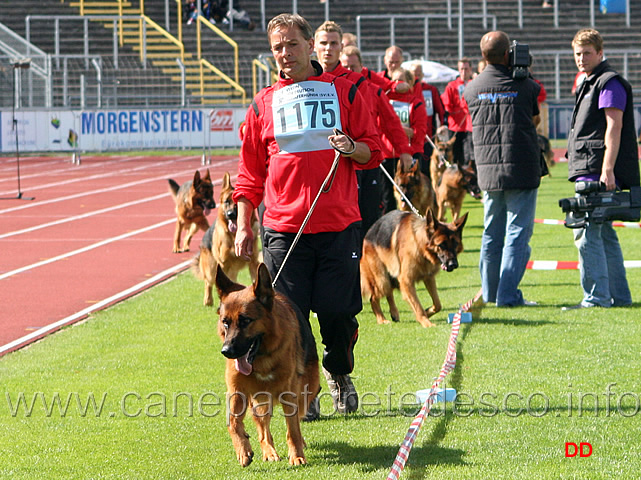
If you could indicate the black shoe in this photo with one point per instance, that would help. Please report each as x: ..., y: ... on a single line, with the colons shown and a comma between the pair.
x: 342, y: 391
x: 313, y: 412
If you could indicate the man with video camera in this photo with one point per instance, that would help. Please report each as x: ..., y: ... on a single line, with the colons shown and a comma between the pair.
x: 503, y: 105
x: 602, y: 148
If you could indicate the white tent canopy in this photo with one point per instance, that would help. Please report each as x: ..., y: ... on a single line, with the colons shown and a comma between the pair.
x: 433, y: 72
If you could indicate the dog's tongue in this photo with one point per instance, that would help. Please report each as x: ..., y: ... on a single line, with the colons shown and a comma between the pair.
x: 207, y: 211
x: 243, y: 366
x: 231, y: 225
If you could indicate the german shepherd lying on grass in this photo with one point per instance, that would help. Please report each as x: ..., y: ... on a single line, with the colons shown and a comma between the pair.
x: 194, y: 200
x: 271, y: 358
x: 217, y: 245
x: 402, y: 248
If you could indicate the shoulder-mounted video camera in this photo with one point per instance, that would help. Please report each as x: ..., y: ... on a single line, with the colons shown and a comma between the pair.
x: 520, y: 60
x: 594, y: 204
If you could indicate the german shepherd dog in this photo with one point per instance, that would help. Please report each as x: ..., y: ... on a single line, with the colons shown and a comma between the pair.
x: 455, y: 183
x: 442, y: 156
x: 217, y: 245
x: 194, y: 200
x: 416, y: 187
x: 271, y: 358
x: 402, y: 248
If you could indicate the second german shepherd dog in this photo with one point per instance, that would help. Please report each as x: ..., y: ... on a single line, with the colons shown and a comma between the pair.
x: 194, y: 200
x: 442, y: 156
x: 455, y: 183
x: 402, y: 248
x: 271, y: 358
x: 416, y: 187
x: 217, y: 245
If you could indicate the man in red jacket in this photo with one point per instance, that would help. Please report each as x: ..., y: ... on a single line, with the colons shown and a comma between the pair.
x: 459, y: 122
x: 286, y: 154
x: 433, y: 107
x: 328, y: 47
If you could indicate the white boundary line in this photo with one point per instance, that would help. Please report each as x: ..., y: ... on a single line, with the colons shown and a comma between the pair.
x: 84, y: 215
x: 97, y: 306
x: 85, y: 249
x: 104, y: 190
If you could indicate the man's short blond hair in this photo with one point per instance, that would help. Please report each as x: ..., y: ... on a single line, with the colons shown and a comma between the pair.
x: 586, y: 37
x: 330, y: 27
x: 352, y: 50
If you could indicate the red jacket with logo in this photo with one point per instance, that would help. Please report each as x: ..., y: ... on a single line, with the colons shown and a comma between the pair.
x: 289, y: 182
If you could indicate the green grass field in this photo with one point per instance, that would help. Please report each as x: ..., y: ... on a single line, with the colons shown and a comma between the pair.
x: 137, y: 391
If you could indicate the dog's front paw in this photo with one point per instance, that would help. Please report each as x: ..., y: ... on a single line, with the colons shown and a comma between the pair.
x: 271, y: 456
x: 425, y: 323
x: 245, y: 457
x: 300, y: 460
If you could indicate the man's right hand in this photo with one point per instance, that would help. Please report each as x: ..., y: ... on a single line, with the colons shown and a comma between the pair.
x: 244, y: 241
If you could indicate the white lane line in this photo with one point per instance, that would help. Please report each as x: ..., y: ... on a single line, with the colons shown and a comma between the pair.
x: 124, y: 171
x: 107, y: 189
x: 91, y: 214
x: 50, y: 170
x: 85, y: 215
x: 85, y: 249
x: 97, y: 306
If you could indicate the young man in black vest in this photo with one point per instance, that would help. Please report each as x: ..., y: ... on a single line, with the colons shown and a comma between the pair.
x: 504, y: 111
x: 601, y: 147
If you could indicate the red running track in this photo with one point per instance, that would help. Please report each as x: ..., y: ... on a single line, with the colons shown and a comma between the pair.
x: 95, y: 234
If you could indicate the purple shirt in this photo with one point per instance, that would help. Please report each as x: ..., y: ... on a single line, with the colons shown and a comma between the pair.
x: 613, y: 95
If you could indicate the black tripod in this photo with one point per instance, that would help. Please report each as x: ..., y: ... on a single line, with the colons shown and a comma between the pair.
x: 23, y: 64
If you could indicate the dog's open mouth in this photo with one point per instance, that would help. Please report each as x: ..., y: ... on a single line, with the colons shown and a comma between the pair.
x: 244, y: 364
x: 231, y: 225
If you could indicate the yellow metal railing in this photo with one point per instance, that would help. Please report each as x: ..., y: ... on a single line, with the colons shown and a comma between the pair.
x: 205, y: 64
x: 149, y: 22
x: 203, y: 21
x: 273, y: 74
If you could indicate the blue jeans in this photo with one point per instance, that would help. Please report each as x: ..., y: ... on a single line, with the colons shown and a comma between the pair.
x: 601, y: 266
x: 505, y: 250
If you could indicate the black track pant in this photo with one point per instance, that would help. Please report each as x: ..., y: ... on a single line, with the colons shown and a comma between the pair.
x: 322, y: 275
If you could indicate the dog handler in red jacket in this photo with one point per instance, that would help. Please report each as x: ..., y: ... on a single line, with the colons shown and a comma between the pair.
x: 285, y: 156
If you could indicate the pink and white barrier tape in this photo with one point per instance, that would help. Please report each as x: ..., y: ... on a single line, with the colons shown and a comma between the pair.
x: 448, y: 365
x: 555, y: 265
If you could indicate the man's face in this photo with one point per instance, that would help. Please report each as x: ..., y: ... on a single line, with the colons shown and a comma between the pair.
x: 417, y: 71
x: 328, y: 49
x: 393, y: 60
x: 351, y: 62
x: 587, y: 58
x: 465, y: 71
x: 291, y: 52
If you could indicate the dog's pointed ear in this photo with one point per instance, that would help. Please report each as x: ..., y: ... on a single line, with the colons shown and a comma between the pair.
x: 226, y: 185
x: 430, y: 220
x: 196, y: 181
x: 263, y: 289
x: 207, y: 176
x: 460, y: 222
x: 224, y: 285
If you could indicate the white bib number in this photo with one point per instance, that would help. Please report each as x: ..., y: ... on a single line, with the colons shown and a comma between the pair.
x: 305, y: 114
x: 429, y: 103
x: 402, y: 109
